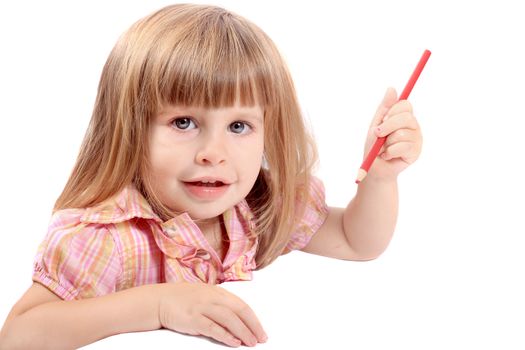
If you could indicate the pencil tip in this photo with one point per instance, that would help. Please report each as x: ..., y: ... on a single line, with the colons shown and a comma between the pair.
x: 360, y: 175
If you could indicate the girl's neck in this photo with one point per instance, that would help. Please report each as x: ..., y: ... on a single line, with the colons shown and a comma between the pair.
x: 209, y: 226
x: 214, y: 232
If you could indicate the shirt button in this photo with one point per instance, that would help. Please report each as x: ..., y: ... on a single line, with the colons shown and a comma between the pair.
x: 170, y: 231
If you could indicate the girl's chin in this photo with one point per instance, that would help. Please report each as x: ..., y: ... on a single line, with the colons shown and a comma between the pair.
x: 203, y: 215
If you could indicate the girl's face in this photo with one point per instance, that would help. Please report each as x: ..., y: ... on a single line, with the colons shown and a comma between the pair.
x: 204, y: 161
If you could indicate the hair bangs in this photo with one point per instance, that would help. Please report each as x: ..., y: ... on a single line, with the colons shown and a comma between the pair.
x: 222, y: 64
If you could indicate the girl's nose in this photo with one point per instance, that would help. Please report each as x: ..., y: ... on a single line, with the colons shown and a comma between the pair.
x: 211, y: 151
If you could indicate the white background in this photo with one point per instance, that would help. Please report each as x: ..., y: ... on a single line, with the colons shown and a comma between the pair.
x: 453, y: 275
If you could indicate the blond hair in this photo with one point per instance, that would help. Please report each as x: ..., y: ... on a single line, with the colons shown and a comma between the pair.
x: 209, y: 57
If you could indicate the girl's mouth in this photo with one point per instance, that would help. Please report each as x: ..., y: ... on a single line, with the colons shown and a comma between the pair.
x: 206, y: 184
x: 207, y: 191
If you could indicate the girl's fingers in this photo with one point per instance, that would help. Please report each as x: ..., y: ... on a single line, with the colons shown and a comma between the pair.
x: 211, y: 329
x: 250, y: 319
x: 404, y: 150
x: 231, y: 321
x: 400, y: 107
x: 246, y: 314
x: 402, y: 135
x: 399, y: 121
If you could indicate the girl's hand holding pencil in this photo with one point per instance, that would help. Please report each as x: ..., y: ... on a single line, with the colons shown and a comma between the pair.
x: 395, y: 120
x: 397, y: 135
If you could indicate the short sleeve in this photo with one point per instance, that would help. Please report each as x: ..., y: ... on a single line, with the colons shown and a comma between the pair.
x: 77, y: 260
x: 314, y: 215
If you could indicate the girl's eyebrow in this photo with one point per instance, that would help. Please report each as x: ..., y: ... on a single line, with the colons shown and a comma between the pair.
x: 250, y: 115
x: 242, y: 114
x: 176, y: 110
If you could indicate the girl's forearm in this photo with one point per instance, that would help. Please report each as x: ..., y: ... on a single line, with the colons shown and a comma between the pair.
x: 370, y: 218
x: 72, y: 324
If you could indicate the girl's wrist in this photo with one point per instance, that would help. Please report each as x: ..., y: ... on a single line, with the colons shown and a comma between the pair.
x: 161, y: 295
x: 380, y: 180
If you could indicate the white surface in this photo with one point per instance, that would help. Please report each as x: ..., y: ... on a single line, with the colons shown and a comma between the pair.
x: 453, y: 275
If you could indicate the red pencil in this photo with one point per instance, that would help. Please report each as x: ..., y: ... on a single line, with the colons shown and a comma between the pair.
x: 374, y: 151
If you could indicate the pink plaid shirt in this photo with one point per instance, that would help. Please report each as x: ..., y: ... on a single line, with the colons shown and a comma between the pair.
x: 121, y: 243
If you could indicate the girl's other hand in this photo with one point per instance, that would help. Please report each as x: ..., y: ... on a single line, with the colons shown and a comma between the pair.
x: 209, y: 310
x: 395, y: 120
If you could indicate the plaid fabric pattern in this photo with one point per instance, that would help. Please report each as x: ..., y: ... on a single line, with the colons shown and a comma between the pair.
x: 121, y: 243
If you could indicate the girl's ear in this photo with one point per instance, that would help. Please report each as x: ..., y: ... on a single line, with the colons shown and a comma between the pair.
x: 264, y: 164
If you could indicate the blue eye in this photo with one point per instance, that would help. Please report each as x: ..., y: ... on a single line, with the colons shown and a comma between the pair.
x: 183, y: 123
x: 239, y: 127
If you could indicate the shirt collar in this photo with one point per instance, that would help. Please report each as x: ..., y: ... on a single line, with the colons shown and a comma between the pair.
x: 130, y: 203
x: 127, y: 204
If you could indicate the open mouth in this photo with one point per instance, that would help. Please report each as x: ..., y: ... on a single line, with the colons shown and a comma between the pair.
x: 206, y: 184
x: 206, y: 190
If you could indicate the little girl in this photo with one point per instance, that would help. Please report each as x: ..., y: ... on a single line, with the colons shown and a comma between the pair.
x: 195, y: 170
